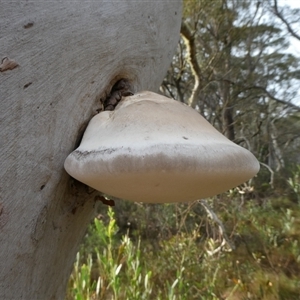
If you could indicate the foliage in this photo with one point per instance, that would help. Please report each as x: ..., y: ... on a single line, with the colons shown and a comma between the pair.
x: 232, y: 65
x: 265, y: 263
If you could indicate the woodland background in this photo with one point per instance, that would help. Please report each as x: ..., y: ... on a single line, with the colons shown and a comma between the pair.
x: 233, y: 65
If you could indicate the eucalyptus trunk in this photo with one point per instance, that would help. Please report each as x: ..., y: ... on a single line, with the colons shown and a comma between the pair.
x: 58, y: 59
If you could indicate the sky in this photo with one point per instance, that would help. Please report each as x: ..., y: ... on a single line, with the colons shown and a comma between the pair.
x: 292, y: 3
x: 295, y: 44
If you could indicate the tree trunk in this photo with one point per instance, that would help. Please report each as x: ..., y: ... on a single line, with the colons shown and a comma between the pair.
x: 62, y: 57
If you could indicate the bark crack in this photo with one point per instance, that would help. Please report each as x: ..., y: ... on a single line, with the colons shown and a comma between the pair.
x: 122, y: 88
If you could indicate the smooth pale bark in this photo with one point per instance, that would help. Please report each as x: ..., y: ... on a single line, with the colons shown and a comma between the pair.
x: 69, y: 54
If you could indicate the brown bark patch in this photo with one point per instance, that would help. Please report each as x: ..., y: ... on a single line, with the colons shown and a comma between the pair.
x: 3, y: 216
x: 8, y: 64
x: 122, y: 88
x: 28, y: 25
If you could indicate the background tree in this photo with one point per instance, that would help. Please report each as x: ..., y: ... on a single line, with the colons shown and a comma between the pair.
x: 232, y: 65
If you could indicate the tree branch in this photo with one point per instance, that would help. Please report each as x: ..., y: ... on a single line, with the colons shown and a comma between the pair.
x: 189, y: 40
x: 271, y: 172
x: 214, y: 217
x: 294, y: 106
x: 289, y: 104
x: 288, y: 26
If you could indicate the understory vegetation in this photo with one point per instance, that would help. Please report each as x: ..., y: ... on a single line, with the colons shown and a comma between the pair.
x: 177, y: 252
x: 234, y: 67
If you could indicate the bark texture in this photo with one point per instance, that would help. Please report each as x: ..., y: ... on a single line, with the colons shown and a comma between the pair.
x: 67, y: 55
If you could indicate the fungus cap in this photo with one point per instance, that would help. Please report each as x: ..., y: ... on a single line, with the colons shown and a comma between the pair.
x: 156, y: 150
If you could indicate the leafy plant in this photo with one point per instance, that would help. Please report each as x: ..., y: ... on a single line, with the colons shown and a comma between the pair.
x: 265, y: 263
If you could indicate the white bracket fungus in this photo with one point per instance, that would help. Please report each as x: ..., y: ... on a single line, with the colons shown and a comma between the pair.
x: 157, y: 150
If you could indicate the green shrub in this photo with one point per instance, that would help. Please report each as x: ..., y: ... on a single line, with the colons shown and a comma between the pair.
x: 194, y: 262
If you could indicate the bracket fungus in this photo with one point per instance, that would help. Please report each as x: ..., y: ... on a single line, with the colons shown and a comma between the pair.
x: 156, y: 150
